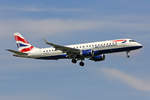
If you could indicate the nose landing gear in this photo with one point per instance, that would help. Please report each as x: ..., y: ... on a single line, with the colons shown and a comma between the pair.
x: 128, y: 56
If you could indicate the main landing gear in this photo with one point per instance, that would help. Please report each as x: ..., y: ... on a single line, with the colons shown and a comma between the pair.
x: 75, y: 61
x: 81, y: 63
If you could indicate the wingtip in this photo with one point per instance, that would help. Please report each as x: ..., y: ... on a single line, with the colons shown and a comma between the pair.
x: 45, y: 41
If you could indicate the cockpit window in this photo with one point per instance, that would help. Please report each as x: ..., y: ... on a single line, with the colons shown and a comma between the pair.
x: 124, y: 41
x: 132, y: 41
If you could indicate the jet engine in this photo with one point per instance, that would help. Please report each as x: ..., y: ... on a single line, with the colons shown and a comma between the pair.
x: 98, y: 58
x: 90, y: 52
x: 86, y: 53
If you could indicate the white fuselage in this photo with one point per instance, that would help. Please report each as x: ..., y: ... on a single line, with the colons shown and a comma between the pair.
x: 94, y: 51
x: 105, y: 47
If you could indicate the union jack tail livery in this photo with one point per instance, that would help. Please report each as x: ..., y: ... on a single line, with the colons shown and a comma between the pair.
x: 22, y: 44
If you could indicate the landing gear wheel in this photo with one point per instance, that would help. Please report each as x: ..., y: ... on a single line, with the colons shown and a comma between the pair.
x: 81, y: 63
x: 74, y: 61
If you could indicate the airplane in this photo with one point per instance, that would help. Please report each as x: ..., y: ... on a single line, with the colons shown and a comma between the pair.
x: 94, y: 51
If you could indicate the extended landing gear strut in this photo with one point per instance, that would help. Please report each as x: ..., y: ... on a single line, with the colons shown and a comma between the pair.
x: 128, y: 56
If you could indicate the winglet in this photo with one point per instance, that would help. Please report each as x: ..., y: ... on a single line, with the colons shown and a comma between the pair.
x: 45, y: 41
x: 49, y: 43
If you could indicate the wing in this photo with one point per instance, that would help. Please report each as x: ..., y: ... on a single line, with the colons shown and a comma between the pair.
x: 65, y: 49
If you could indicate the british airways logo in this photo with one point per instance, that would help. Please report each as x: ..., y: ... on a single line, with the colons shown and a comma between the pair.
x: 121, y: 41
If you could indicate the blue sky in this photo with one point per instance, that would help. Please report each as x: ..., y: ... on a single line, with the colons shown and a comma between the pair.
x: 68, y: 22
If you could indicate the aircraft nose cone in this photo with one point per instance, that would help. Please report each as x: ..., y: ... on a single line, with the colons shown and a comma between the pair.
x: 140, y: 46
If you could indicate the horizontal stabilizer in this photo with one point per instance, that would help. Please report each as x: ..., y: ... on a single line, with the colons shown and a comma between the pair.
x: 17, y: 52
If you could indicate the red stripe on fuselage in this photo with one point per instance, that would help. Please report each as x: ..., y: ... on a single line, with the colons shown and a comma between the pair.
x: 27, y: 49
x: 17, y: 38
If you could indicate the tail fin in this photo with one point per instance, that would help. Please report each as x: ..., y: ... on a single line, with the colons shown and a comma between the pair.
x: 22, y: 44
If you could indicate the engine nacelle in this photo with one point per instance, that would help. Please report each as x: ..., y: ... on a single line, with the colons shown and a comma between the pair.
x: 90, y: 52
x: 86, y: 53
x: 98, y: 58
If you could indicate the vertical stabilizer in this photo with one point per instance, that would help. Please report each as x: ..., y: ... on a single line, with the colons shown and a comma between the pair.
x: 22, y: 44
